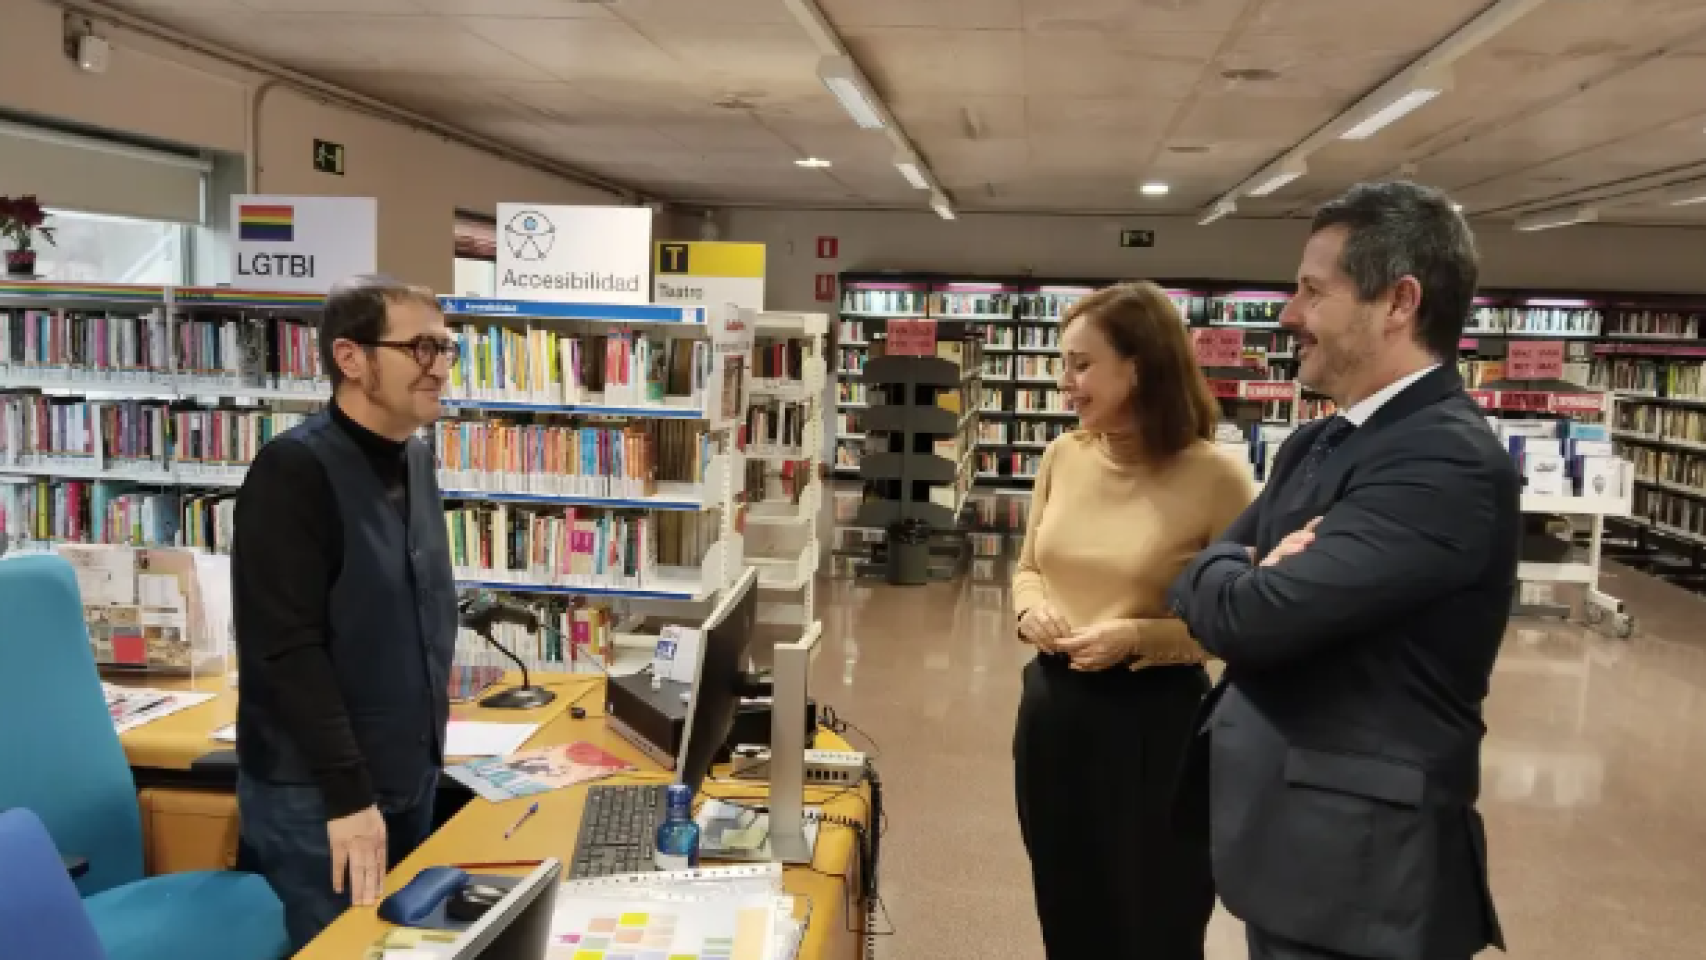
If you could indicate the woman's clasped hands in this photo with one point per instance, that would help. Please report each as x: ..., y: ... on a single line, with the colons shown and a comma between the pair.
x: 1091, y: 649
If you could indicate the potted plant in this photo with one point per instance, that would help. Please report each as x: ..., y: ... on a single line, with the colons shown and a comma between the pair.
x: 21, y: 218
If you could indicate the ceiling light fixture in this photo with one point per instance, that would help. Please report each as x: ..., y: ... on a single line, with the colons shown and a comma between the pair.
x: 1552, y: 219
x: 1221, y: 209
x: 848, y: 85
x: 1277, y: 178
x: 912, y: 170
x: 1687, y: 194
x: 1153, y: 189
x: 1394, y: 110
x: 939, y: 203
x: 814, y: 163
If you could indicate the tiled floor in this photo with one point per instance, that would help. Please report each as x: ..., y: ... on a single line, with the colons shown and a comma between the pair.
x: 1594, y: 787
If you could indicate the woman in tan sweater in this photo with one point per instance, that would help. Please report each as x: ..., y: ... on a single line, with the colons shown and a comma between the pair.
x: 1121, y: 504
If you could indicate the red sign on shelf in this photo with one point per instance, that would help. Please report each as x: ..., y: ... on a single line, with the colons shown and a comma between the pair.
x: 1268, y: 390
x: 912, y: 338
x: 828, y: 248
x: 1219, y: 347
x: 1485, y: 399
x: 1535, y: 360
x: 825, y: 286
x: 1577, y: 403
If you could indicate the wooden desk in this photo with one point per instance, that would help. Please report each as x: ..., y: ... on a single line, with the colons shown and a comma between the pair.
x: 476, y: 834
x: 173, y: 744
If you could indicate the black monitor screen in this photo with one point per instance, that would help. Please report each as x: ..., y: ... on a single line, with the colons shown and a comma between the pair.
x: 717, y: 687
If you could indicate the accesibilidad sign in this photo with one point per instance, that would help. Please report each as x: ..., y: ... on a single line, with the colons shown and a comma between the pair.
x: 574, y: 253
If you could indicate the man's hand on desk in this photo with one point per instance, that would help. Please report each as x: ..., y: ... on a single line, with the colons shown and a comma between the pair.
x: 1293, y: 544
x: 358, y: 847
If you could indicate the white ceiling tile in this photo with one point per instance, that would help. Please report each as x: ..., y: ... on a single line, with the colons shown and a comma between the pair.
x: 1078, y: 121
x: 337, y: 7
x: 427, y: 45
x: 573, y: 49
x: 704, y: 11
x: 1115, y: 65
x: 959, y: 14
x: 1387, y: 23
x: 759, y: 59
x: 927, y: 62
x: 929, y: 119
x: 542, y: 9
x: 1329, y: 67
x: 1142, y: 16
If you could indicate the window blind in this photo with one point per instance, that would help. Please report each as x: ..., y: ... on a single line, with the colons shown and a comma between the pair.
x: 98, y: 176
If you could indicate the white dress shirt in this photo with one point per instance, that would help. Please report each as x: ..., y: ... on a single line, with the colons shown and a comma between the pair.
x: 1360, y: 412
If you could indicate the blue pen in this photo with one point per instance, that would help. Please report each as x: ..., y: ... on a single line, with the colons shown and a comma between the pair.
x: 524, y: 817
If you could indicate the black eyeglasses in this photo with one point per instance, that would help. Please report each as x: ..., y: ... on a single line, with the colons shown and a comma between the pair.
x: 426, y: 350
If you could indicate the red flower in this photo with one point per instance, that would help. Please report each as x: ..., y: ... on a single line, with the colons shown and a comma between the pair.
x: 20, y: 217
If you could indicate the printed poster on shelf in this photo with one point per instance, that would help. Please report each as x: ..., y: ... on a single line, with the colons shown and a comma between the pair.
x: 574, y: 254
x: 302, y: 244
x: 704, y: 271
x: 730, y: 376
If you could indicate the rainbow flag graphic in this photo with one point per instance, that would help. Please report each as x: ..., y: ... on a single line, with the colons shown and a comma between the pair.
x: 274, y: 222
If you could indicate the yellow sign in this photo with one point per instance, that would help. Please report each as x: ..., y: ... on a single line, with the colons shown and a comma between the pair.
x: 709, y: 272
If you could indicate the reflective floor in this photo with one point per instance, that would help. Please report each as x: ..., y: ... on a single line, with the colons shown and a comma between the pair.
x: 1595, y: 774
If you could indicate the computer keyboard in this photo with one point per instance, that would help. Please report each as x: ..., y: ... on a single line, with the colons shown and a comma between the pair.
x: 618, y: 831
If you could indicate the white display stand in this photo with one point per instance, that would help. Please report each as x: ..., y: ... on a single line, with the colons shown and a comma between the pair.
x: 781, y: 536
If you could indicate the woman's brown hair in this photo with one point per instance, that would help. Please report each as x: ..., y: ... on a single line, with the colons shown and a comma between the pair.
x: 1172, y: 401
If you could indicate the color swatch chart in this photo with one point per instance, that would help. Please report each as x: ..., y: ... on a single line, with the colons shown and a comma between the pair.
x: 589, y: 930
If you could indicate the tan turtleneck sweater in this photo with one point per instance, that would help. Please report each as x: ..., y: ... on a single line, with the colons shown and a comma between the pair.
x: 1109, y: 530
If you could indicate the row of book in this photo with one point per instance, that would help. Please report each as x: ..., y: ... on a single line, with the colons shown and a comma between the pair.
x: 849, y: 361
x: 849, y: 422
x: 1673, y: 377
x: 1002, y: 512
x: 1567, y: 321
x: 1018, y: 466
x: 573, y: 459
x: 44, y: 512
x: 851, y: 332
x: 1659, y: 420
x: 575, y: 547
x: 777, y: 426
x: 535, y: 365
x: 1653, y: 323
x: 1666, y: 466
x: 1674, y: 510
x: 37, y: 430
x: 141, y: 347
x: 779, y: 358
x: 848, y: 392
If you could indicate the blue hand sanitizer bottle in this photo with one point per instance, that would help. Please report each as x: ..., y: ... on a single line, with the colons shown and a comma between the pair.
x: 678, y: 835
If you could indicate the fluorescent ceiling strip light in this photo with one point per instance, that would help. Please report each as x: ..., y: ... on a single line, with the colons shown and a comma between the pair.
x: 844, y: 81
x: 1221, y: 209
x: 939, y: 203
x: 1687, y: 195
x: 1278, y: 180
x: 913, y: 172
x: 1391, y: 113
x: 1552, y: 219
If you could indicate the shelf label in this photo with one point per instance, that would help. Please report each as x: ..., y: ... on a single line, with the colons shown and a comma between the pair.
x: 1268, y: 390
x: 912, y: 338
x: 1219, y: 346
x: 1577, y: 403
x: 1535, y: 360
x: 1485, y: 399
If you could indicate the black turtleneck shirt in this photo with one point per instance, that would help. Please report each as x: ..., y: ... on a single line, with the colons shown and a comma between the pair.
x: 292, y: 551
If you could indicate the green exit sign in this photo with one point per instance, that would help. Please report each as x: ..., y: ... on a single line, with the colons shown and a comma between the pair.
x: 1137, y: 238
x: 329, y: 157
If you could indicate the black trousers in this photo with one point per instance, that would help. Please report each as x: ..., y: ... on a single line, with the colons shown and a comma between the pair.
x: 1096, y: 757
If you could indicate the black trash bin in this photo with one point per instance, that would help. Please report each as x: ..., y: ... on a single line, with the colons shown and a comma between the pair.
x: 909, y: 553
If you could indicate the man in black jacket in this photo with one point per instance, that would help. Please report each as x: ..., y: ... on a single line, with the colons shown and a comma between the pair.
x: 1359, y: 605
x: 346, y: 614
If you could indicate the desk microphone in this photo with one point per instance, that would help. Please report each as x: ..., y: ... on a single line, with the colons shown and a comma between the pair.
x: 481, y: 611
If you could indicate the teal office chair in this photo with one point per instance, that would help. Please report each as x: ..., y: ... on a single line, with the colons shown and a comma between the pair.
x: 40, y: 911
x: 62, y: 760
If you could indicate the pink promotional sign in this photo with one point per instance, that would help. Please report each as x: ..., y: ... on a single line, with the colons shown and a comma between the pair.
x: 1535, y: 360
x: 912, y: 338
x: 1219, y: 347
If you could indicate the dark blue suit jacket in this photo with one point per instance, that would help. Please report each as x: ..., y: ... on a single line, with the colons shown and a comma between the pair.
x: 1342, y: 748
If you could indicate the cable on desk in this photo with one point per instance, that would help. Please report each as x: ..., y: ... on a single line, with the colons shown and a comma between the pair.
x: 834, y: 723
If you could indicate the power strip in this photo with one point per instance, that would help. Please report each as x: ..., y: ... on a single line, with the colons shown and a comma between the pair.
x: 824, y: 768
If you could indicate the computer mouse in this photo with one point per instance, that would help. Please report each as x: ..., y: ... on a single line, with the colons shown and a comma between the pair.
x: 579, y: 713
x: 472, y: 901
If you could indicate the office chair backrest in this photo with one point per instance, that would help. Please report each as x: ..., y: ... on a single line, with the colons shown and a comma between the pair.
x: 41, y: 915
x: 59, y: 754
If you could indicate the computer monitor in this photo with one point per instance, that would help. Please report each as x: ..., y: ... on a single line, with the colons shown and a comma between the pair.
x: 718, y: 679
x: 518, y: 927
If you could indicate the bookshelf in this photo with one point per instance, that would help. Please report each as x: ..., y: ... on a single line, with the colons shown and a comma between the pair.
x: 784, y: 433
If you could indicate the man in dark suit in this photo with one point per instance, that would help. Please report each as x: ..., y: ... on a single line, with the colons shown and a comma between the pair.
x: 1359, y: 605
